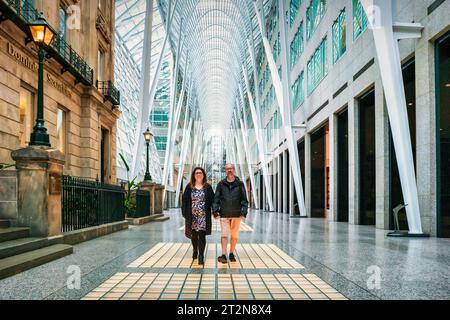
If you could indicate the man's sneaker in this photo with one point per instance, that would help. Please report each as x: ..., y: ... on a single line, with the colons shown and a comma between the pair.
x: 232, y: 258
x: 223, y: 259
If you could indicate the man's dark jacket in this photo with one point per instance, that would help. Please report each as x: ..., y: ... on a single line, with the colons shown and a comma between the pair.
x: 230, y: 200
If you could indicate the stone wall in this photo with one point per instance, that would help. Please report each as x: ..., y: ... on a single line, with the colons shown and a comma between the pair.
x: 8, y: 194
x: 87, y: 112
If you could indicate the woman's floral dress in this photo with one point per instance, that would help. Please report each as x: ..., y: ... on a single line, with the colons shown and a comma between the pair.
x: 198, y: 210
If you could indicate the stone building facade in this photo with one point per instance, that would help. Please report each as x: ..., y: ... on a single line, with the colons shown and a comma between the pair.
x: 81, y: 102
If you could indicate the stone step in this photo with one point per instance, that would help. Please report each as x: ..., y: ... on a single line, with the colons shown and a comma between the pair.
x: 13, y: 233
x: 163, y: 218
x: 25, y: 261
x: 4, y: 224
x: 18, y: 246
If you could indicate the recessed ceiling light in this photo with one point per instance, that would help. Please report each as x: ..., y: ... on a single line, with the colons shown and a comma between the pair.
x: 410, y: 104
x: 447, y: 85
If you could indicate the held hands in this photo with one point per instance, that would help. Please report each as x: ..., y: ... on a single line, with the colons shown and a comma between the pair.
x: 243, y: 218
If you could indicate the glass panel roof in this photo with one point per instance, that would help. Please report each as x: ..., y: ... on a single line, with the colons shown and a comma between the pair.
x: 130, y: 16
x: 214, y: 35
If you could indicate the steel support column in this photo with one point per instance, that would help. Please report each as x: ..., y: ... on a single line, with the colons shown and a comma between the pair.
x: 283, y: 95
x: 148, y: 88
x: 386, y: 35
x: 259, y: 138
x: 172, y: 114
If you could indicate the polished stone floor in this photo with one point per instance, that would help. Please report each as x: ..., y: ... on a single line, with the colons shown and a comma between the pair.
x: 278, y: 258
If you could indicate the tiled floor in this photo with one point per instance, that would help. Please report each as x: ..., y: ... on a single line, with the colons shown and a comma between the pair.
x: 173, y: 286
x: 185, y: 286
x: 283, y: 258
x: 248, y: 256
x: 216, y: 227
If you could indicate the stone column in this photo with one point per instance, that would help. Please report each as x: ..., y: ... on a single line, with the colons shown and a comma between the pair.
x: 333, y: 150
x: 149, y: 186
x: 353, y: 162
x: 426, y: 134
x: 158, y: 207
x: 285, y: 208
x: 382, y: 154
x: 39, y: 171
x: 308, y: 174
x: 279, y: 181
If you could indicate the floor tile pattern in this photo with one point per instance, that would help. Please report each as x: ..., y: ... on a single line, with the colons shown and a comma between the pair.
x: 248, y: 256
x: 173, y: 286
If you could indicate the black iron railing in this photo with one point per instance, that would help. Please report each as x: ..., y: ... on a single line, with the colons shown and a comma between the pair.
x: 62, y: 52
x: 143, y: 203
x: 109, y: 91
x: 23, y: 12
x: 87, y: 203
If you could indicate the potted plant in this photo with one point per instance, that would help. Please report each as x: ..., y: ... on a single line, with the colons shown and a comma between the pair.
x: 130, y: 191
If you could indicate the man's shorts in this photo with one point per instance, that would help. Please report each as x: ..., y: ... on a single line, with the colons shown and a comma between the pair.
x: 230, y: 226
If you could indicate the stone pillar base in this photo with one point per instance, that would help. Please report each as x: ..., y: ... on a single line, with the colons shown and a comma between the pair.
x: 39, y: 171
x: 156, y: 196
x: 149, y: 186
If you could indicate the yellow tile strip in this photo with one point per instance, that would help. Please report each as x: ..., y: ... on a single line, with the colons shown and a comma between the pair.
x: 168, y: 286
x: 248, y: 256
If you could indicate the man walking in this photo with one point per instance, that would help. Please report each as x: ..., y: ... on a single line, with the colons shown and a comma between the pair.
x: 230, y: 203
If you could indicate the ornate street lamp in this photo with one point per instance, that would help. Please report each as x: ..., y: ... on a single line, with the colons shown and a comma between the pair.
x: 42, y: 35
x: 147, y: 136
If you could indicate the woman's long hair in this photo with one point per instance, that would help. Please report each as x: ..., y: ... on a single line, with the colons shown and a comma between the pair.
x: 205, y: 178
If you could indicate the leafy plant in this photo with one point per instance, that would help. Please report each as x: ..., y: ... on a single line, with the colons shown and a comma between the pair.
x: 4, y: 166
x: 132, y: 187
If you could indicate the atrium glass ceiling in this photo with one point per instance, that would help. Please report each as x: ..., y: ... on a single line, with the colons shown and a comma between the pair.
x: 130, y: 16
x: 214, y: 37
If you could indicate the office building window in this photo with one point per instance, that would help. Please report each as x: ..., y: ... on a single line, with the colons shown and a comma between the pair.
x: 298, y: 90
x: 360, y: 21
x: 293, y: 10
x: 314, y: 15
x: 161, y: 143
x: 159, y: 118
x: 339, y: 36
x: 27, y: 114
x: 101, y: 65
x: 297, y: 45
x: 63, y: 23
x: 317, y: 66
x: 61, y: 130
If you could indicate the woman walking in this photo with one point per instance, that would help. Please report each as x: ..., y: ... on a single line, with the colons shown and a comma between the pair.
x: 196, y: 208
